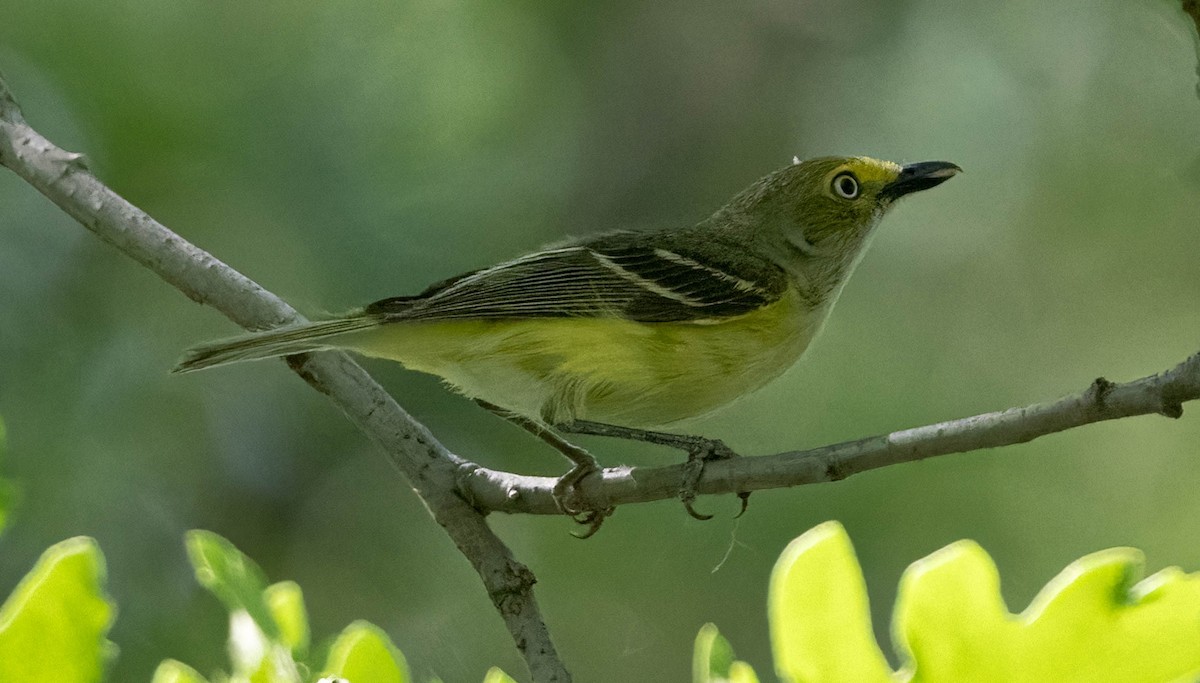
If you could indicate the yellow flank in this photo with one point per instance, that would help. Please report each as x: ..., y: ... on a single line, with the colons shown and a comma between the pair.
x: 602, y: 369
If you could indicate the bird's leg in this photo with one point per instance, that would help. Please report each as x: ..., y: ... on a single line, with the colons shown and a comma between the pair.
x: 699, y: 449
x: 565, y: 487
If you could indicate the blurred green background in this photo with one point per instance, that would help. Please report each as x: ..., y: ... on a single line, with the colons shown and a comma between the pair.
x: 343, y: 152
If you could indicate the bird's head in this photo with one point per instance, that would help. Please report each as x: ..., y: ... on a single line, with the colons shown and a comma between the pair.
x: 815, y: 217
x: 825, y: 208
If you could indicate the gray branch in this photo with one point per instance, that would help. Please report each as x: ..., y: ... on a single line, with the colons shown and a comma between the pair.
x: 1161, y: 394
x: 431, y: 469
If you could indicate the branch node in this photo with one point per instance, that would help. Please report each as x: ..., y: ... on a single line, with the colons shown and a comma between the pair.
x: 71, y: 161
x: 511, y: 593
x: 77, y: 161
x: 428, y: 465
x: 834, y: 471
x: 1098, y: 392
x: 462, y: 486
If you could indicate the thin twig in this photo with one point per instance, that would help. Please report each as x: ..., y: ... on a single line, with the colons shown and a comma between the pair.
x: 1162, y: 394
x: 431, y: 469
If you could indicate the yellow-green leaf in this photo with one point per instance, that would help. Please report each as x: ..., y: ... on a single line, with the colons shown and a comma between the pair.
x: 53, y: 625
x: 171, y: 671
x: 286, y: 604
x: 234, y: 578
x: 713, y: 660
x: 1091, y: 623
x: 363, y: 652
x: 740, y: 672
x: 711, y: 656
x: 818, y: 612
x: 256, y: 658
x: 495, y: 675
x: 266, y: 625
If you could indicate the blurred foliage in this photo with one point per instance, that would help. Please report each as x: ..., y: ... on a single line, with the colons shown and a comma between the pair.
x: 342, y: 153
x: 268, y: 636
x: 268, y: 628
x: 495, y: 675
x: 365, y: 653
x: 53, y: 625
x: 1094, y: 622
x: 713, y: 660
x: 1091, y: 623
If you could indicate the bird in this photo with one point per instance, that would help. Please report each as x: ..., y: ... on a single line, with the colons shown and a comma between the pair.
x: 626, y: 333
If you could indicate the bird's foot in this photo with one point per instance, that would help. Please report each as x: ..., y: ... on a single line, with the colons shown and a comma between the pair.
x: 701, y: 451
x: 566, y: 495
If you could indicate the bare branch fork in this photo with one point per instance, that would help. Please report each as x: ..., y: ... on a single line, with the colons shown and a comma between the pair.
x: 460, y: 493
x: 429, y: 467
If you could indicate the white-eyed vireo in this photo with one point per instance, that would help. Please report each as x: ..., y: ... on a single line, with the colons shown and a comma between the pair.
x: 632, y: 329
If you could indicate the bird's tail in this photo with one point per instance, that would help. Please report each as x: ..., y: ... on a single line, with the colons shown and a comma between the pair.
x: 273, y: 343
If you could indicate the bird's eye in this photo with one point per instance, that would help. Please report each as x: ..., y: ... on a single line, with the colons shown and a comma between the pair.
x: 845, y: 185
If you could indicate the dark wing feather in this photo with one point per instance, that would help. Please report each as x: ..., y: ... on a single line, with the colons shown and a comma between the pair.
x: 622, y: 275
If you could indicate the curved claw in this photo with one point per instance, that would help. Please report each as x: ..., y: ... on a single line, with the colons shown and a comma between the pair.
x: 593, y: 519
x: 687, y: 505
x: 745, y: 496
x: 564, y: 489
x: 561, y: 495
x: 692, y: 470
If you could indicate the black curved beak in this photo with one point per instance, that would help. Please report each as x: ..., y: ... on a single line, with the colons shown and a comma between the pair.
x: 919, y: 176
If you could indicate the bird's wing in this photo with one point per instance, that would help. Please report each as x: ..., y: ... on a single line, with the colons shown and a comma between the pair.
x: 617, y: 276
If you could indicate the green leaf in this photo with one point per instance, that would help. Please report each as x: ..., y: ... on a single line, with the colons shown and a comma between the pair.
x: 818, y: 612
x: 232, y: 577
x: 53, y: 625
x: 740, y: 672
x: 256, y: 658
x: 260, y: 648
x: 712, y: 655
x: 495, y: 675
x: 713, y: 660
x: 1091, y: 623
x: 286, y: 604
x: 363, y: 652
x: 171, y: 671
